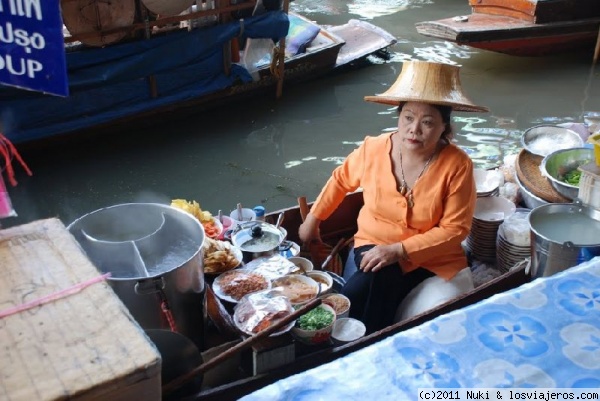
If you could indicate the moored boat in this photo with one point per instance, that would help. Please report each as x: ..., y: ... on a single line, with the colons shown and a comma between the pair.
x: 178, y: 67
x: 521, y: 28
x: 341, y: 225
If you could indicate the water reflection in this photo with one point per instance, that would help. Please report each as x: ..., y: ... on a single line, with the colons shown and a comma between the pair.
x: 270, y: 152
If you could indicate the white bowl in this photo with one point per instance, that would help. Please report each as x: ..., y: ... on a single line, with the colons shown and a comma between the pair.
x: 493, y: 208
x: 346, y: 330
x: 315, y: 336
x: 487, y: 181
x: 303, y: 263
x: 324, y: 280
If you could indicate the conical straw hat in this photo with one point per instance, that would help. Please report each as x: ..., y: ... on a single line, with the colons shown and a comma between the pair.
x: 433, y: 83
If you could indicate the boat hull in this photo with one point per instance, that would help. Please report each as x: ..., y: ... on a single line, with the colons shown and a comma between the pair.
x: 514, y: 36
x: 342, y: 224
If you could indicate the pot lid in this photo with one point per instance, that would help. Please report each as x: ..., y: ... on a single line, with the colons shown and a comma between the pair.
x: 256, y: 236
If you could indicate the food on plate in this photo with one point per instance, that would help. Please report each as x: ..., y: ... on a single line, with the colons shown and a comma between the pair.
x: 219, y: 256
x: 192, y: 208
x: 260, y: 310
x: 296, y: 288
x: 271, y: 267
x: 212, y: 228
x: 316, y: 319
x: 237, y: 283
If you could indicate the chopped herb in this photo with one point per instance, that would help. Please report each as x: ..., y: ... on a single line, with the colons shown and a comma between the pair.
x: 572, y: 177
x: 316, y: 319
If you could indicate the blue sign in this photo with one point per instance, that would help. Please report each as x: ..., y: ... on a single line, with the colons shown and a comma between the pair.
x: 32, y: 52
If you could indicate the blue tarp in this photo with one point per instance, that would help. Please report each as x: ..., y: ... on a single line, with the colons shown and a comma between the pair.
x: 112, y: 82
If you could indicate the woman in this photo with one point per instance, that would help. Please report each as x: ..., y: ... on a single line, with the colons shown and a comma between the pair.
x: 419, y: 195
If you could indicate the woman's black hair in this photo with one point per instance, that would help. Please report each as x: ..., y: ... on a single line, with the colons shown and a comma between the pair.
x: 446, y: 112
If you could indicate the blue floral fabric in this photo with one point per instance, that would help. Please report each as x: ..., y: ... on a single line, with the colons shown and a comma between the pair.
x: 544, y: 334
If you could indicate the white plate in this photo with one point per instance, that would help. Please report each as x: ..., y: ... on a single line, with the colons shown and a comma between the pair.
x: 254, y: 308
x: 239, y: 275
x: 237, y: 253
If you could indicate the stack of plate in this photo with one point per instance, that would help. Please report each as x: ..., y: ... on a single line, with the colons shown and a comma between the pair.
x: 490, y: 212
x: 513, y: 244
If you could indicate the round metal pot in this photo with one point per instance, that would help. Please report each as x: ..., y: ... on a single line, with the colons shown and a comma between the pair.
x: 154, y: 255
x: 558, y: 163
x: 256, y: 239
x: 563, y: 235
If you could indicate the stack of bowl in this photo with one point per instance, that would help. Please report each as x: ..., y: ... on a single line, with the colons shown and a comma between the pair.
x: 488, y: 182
x: 490, y: 212
x: 513, y: 244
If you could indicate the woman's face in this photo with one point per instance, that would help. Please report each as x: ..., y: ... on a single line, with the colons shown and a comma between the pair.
x: 420, y: 126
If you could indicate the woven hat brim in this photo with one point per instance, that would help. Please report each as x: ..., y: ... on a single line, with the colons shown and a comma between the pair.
x: 396, y: 100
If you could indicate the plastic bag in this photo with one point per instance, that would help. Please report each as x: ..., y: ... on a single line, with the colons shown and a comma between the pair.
x: 7, y: 153
x: 6, y: 209
x: 258, y: 53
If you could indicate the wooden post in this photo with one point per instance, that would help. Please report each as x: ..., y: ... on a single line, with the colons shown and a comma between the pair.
x: 145, y: 18
x: 597, y: 50
x: 224, y: 18
x: 281, y: 55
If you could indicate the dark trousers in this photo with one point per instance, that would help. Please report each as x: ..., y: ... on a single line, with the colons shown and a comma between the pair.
x: 374, y: 297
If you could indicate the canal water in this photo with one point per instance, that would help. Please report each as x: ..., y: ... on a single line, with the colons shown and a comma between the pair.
x: 269, y: 152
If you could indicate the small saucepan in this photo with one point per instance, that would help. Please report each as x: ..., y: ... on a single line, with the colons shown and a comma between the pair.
x: 256, y: 239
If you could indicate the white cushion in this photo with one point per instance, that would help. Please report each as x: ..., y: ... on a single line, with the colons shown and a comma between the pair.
x: 432, y: 292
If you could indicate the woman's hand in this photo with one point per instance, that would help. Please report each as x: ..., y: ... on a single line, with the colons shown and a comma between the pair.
x: 381, y: 255
x: 309, y: 230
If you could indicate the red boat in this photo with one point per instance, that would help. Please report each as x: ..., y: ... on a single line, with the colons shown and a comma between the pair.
x: 521, y: 27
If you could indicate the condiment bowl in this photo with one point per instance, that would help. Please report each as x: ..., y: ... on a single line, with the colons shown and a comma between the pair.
x: 324, y: 280
x: 304, y: 264
x: 558, y: 163
x: 339, y: 302
x: 316, y: 336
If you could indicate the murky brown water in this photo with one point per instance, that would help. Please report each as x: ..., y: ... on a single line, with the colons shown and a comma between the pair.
x: 268, y: 152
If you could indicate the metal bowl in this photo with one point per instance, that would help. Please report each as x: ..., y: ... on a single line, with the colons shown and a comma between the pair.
x: 544, y: 139
x: 558, y: 163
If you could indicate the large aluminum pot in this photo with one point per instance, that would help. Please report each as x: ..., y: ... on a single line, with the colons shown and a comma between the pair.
x: 154, y: 255
x: 563, y: 235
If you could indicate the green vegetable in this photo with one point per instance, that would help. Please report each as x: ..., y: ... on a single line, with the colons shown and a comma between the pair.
x: 572, y: 177
x: 316, y: 319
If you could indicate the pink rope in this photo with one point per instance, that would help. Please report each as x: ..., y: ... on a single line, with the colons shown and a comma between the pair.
x: 54, y: 296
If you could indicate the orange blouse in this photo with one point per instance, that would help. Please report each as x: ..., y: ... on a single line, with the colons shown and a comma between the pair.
x: 433, y: 229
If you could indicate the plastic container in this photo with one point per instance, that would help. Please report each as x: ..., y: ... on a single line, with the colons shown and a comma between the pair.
x: 595, y: 140
x: 589, y: 185
x: 247, y: 215
x: 259, y: 211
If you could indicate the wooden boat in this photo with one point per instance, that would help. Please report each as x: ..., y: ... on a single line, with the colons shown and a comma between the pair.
x: 342, y: 224
x: 521, y: 27
x: 116, y: 76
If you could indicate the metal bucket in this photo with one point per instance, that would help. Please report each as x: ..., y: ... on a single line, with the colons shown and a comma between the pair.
x: 154, y: 255
x: 563, y: 235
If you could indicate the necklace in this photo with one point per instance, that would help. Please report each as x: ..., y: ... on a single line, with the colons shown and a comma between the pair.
x: 404, y: 189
